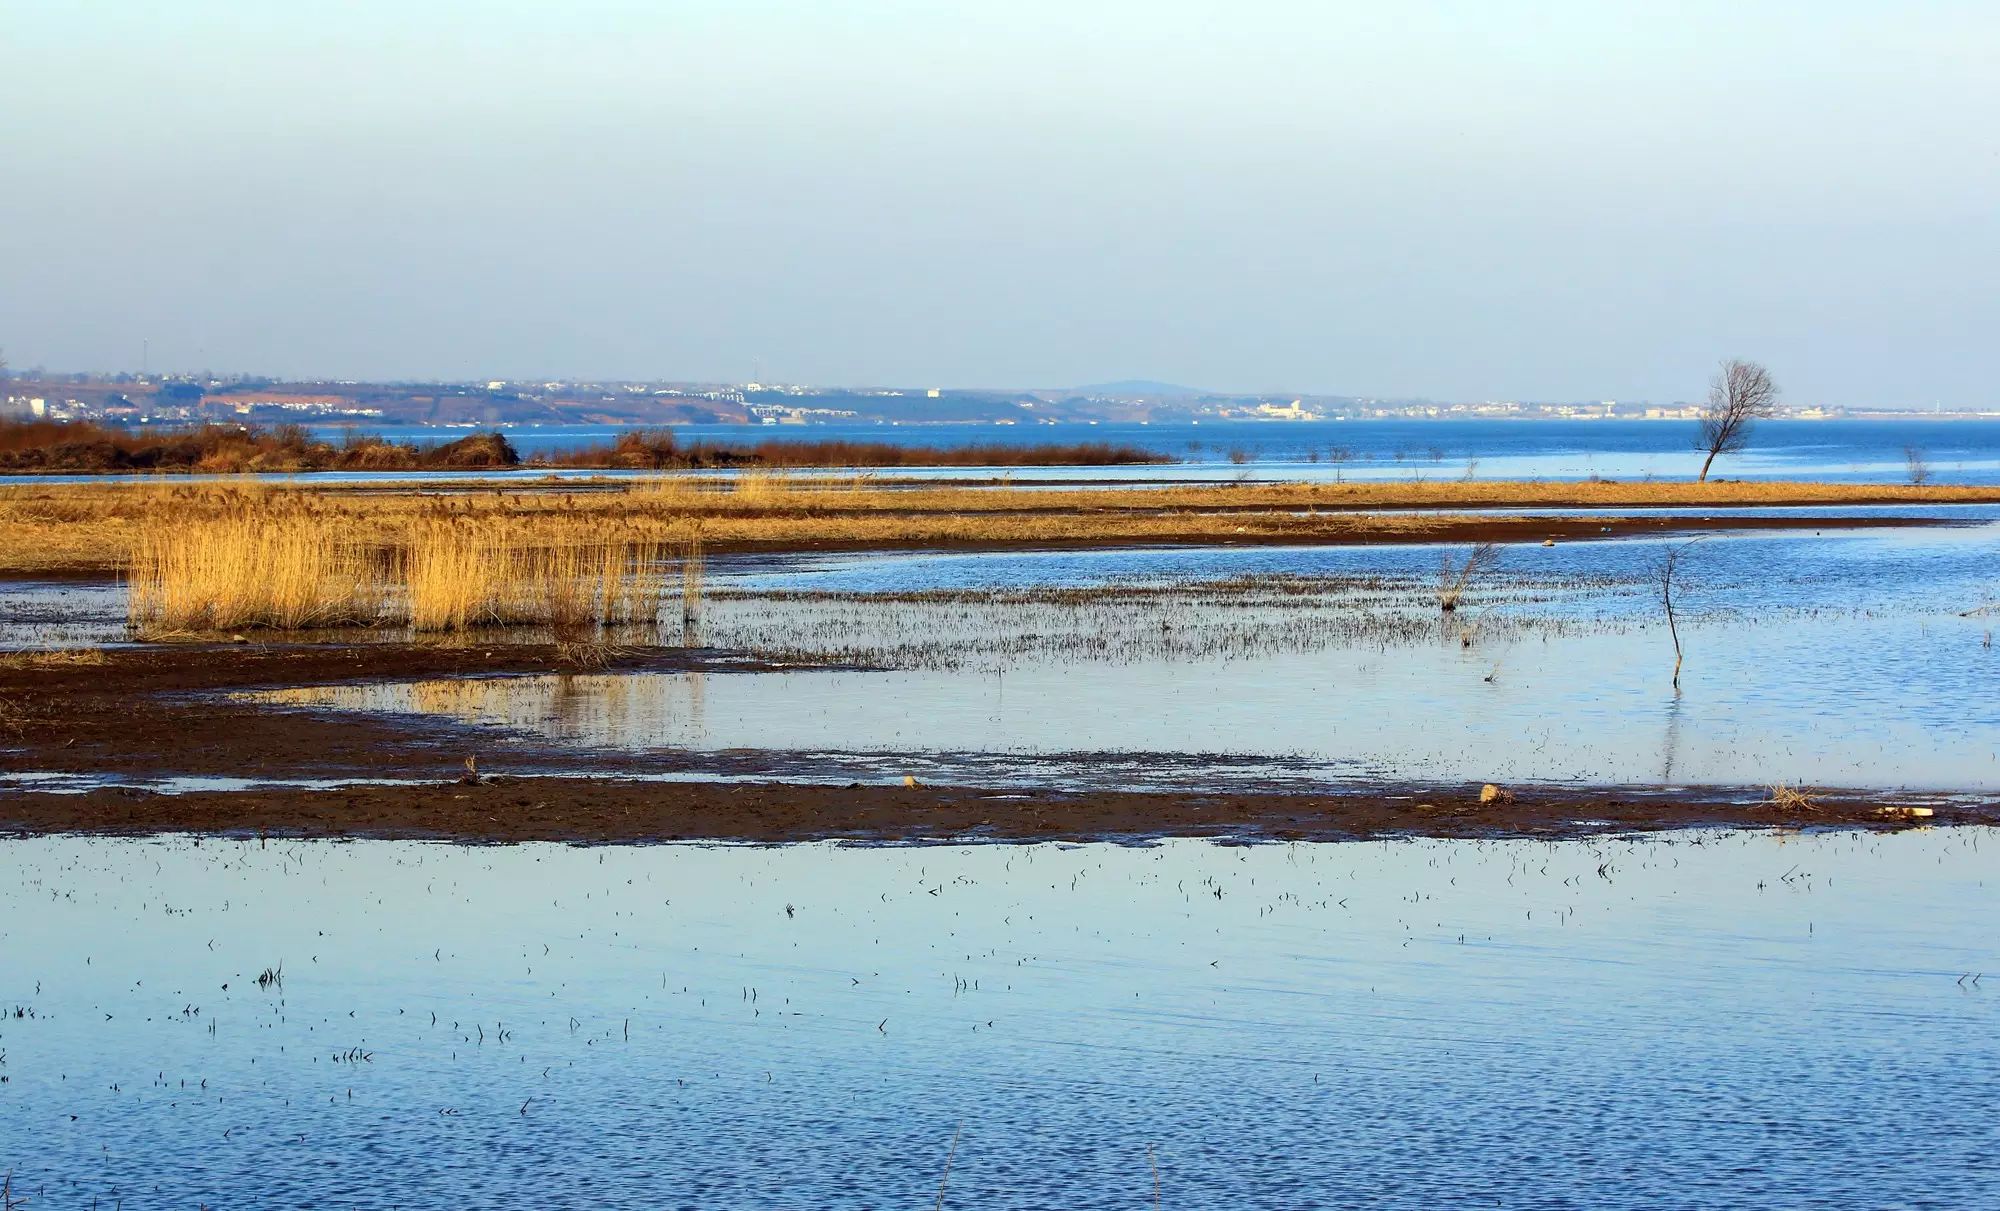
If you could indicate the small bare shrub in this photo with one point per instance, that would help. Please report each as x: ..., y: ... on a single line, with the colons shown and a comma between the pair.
x: 1919, y: 466
x: 1793, y: 798
x: 1455, y: 577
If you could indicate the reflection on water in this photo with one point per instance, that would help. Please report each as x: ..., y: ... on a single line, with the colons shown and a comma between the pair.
x: 1708, y: 1020
x: 1934, y: 568
x: 1852, y: 660
x: 1889, y: 705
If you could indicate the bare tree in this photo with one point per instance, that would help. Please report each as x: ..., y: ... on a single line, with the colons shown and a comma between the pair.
x: 1920, y: 467
x: 1668, y: 577
x: 1338, y: 455
x: 1739, y: 393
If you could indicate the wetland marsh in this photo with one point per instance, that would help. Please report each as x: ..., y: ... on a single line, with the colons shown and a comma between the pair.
x: 1175, y: 834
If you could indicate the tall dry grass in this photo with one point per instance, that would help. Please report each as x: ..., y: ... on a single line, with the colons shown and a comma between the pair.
x: 447, y: 574
x: 694, y: 569
x: 298, y: 567
x: 287, y: 569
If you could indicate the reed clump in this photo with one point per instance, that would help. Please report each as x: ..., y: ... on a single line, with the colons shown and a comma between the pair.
x: 296, y: 567
x: 1795, y: 799
x: 459, y: 574
x: 286, y: 569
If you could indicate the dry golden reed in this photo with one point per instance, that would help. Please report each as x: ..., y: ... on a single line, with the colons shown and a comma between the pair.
x: 297, y: 567
x: 53, y: 658
x: 287, y: 569
x: 100, y: 526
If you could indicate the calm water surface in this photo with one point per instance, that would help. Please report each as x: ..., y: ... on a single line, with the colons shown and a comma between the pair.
x: 1849, y: 451
x: 1746, y: 1020
x: 1854, y: 659
x: 1955, y: 451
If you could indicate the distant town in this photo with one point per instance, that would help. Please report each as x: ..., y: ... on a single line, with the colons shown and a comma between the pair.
x: 179, y: 399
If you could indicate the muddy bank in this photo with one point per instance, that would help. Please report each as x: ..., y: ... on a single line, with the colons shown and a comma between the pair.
x: 164, y: 710
x: 138, y: 715
x: 1330, y: 532
x: 592, y: 810
x: 170, y: 667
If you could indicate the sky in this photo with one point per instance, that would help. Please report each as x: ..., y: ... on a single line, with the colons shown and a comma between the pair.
x: 1482, y: 200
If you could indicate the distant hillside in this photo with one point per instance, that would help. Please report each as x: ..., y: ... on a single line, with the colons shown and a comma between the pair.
x: 1139, y: 386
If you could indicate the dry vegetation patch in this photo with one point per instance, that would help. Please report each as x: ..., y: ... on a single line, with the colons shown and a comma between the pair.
x: 52, y: 658
x: 297, y: 562
x: 112, y: 526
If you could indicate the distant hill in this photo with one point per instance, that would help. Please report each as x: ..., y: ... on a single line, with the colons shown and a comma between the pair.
x: 1139, y: 386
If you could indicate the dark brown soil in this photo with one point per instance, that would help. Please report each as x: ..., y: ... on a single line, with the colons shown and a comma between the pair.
x: 163, y: 709
x: 595, y: 810
x: 1456, y: 529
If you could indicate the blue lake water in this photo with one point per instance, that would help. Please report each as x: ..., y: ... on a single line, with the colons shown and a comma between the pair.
x: 1701, y: 1021
x: 1962, y: 451
x: 1957, y: 451
x: 1859, y: 659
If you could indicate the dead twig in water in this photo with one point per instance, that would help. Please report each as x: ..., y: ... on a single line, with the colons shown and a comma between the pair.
x: 949, y: 1157
x: 1669, y: 580
x: 693, y: 569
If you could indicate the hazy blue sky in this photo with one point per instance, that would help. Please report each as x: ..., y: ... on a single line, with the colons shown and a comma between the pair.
x: 1481, y: 199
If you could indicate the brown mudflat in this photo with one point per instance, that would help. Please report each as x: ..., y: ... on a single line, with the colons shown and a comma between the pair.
x: 1211, y: 528
x: 599, y: 810
x: 146, y: 713
x: 165, y: 709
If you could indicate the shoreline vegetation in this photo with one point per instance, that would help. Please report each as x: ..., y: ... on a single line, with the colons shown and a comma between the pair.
x: 86, y: 448
x: 108, y: 529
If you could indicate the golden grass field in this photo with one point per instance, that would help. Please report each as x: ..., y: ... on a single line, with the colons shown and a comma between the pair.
x: 105, y: 527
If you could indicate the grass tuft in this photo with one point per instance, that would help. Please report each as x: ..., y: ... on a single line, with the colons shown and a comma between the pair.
x: 293, y: 566
x: 53, y: 658
x: 1793, y: 798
